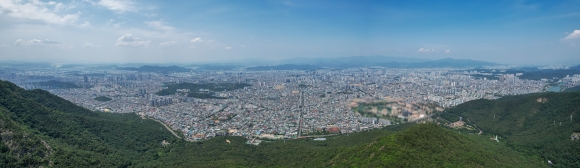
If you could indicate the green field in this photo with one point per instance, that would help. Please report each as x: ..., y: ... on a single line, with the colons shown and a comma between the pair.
x: 58, y: 85
x: 103, y: 98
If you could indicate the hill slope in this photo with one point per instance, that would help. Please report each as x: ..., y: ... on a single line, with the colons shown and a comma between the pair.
x: 428, y: 145
x: 537, y: 124
x: 57, y: 132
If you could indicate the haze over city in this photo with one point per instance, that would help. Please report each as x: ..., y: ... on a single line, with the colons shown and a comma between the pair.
x: 124, y: 31
x: 289, y: 83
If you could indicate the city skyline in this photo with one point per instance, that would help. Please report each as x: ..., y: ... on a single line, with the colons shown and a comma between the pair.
x: 125, y: 31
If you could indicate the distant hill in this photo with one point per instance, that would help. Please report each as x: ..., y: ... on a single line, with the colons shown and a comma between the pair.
x: 215, y: 67
x: 386, y: 61
x: 107, y: 67
x: 457, y: 63
x: 193, y: 89
x: 537, y: 124
x: 58, y: 84
x: 353, y: 60
x: 549, y: 74
x: 534, y: 73
x: 531, y: 73
x: 573, y: 89
x: 103, y: 98
x: 158, y: 69
x: 284, y: 67
x: 25, y: 65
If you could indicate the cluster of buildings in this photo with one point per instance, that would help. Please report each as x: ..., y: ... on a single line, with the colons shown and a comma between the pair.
x: 157, y: 102
x: 279, y: 104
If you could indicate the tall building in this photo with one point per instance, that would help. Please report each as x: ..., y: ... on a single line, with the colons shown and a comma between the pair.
x: 142, y: 92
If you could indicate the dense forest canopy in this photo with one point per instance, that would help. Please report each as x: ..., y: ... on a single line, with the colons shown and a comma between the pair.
x: 535, y: 124
x: 103, y: 98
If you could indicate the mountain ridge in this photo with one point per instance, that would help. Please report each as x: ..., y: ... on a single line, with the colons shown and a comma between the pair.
x: 536, y: 124
x: 383, y: 61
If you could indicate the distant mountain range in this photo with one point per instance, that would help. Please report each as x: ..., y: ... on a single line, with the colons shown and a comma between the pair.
x: 284, y: 67
x: 298, y: 63
x: 160, y: 69
x: 531, y: 73
x: 362, y: 60
x: 26, y: 65
x: 370, y: 61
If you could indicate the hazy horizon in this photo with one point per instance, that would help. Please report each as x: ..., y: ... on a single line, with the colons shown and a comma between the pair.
x: 516, y: 32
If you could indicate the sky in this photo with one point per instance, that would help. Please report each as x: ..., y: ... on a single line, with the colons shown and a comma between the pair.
x: 516, y: 32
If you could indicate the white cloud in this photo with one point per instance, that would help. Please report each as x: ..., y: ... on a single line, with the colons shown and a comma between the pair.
x: 150, y: 15
x: 115, y: 24
x: 228, y: 48
x: 86, y: 24
x: 168, y: 43
x: 572, y: 36
x: 37, y: 10
x: 129, y: 40
x: 422, y: 50
x: 57, y: 6
x: 448, y: 51
x: 118, y: 24
x: 159, y: 25
x: 90, y: 45
x: 90, y: 1
x: 196, y: 40
x: 35, y: 42
x: 119, y: 6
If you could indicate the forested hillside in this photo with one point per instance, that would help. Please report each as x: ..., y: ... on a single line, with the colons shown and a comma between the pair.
x: 41, y: 129
x: 429, y: 145
x: 573, y: 89
x: 537, y: 124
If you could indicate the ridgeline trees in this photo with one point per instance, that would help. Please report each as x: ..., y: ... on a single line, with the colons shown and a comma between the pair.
x: 41, y: 129
x: 536, y: 124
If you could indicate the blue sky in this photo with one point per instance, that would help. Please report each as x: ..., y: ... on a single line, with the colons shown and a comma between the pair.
x: 121, y: 31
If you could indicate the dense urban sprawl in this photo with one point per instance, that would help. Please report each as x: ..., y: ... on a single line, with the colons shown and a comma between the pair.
x: 271, y: 106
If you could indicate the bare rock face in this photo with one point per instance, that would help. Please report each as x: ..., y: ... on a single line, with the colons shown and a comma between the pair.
x: 541, y: 100
x: 164, y: 143
x: 575, y: 136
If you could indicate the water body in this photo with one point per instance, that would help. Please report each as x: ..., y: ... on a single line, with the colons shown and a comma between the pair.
x: 556, y: 88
